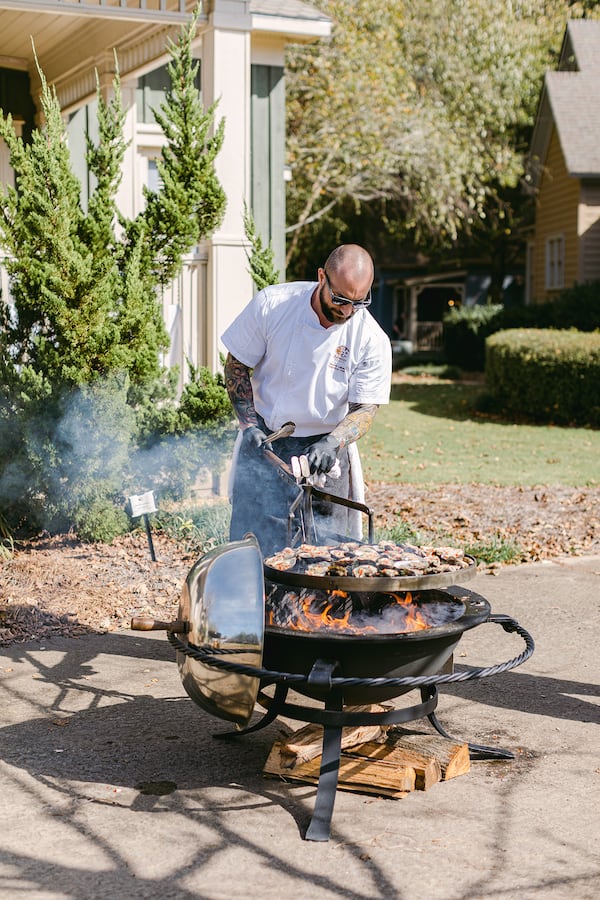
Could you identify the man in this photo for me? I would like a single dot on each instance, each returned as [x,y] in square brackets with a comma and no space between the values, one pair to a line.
[309,353]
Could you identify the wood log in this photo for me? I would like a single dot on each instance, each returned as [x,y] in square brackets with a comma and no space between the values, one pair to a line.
[453,758]
[355,773]
[427,768]
[403,762]
[307,743]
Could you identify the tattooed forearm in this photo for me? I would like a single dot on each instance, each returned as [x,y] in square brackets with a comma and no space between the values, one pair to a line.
[357,422]
[239,388]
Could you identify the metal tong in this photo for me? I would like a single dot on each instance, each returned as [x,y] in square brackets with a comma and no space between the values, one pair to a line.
[301,523]
[286,430]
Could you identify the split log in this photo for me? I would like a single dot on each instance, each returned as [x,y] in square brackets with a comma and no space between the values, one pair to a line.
[426,766]
[356,773]
[453,758]
[392,768]
[307,743]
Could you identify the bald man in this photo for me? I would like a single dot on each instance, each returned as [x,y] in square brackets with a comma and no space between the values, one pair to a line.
[310,353]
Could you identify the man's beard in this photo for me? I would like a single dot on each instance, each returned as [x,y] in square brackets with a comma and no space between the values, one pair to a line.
[330,312]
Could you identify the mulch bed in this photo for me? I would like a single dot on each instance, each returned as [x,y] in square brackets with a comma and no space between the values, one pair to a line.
[61,586]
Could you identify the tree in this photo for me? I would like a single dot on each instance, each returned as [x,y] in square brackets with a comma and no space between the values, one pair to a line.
[261,257]
[81,342]
[191,202]
[420,111]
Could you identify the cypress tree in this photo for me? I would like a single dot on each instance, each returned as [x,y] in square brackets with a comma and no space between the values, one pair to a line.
[85,324]
[261,256]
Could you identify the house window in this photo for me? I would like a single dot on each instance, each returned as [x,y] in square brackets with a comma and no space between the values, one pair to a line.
[555,262]
[154,180]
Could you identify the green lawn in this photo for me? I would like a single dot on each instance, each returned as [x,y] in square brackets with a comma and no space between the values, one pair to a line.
[431,433]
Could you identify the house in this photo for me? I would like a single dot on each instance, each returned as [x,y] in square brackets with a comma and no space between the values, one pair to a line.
[410,302]
[565,161]
[241,46]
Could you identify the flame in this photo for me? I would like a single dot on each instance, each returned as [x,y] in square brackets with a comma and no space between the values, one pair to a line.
[414,618]
[310,620]
[327,611]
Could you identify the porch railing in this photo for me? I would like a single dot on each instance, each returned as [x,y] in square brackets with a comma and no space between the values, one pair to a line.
[184,305]
[164,10]
[429,336]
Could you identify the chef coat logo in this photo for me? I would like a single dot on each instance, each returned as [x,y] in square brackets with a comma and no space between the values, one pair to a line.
[339,358]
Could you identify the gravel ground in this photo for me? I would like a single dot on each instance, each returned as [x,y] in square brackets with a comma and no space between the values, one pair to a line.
[61,586]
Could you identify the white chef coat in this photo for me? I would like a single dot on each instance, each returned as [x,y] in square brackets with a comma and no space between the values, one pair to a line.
[303,372]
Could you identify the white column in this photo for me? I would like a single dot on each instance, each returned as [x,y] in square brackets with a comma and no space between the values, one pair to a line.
[129,196]
[226,78]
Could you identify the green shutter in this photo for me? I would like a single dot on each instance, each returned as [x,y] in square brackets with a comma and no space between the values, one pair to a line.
[267,157]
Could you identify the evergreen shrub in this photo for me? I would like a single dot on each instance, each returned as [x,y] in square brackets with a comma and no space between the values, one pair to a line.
[546,375]
[84,398]
[465,331]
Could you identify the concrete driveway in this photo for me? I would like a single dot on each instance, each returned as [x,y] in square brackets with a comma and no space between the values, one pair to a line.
[112,784]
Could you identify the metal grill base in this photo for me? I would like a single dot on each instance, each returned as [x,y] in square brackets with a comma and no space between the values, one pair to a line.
[333,717]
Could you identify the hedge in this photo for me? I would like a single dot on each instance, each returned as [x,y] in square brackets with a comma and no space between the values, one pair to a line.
[545,375]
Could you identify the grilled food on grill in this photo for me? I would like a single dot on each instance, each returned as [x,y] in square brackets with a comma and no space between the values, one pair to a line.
[358,560]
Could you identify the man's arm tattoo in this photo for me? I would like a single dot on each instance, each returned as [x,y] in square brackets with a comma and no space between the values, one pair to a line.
[239,388]
[356,423]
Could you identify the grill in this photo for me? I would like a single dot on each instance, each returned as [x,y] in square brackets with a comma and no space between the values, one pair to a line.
[233,654]
[370,662]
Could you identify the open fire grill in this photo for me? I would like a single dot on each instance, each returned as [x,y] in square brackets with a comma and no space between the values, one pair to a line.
[249,633]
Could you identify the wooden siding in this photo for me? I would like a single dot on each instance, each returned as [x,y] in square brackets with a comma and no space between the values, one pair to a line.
[557,214]
[589,231]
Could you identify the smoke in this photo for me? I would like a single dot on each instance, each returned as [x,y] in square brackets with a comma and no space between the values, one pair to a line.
[68,463]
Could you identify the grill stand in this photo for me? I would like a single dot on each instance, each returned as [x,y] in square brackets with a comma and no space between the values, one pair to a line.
[334,718]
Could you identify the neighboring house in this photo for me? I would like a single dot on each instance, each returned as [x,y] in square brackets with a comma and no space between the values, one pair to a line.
[410,302]
[410,306]
[241,46]
[565,156]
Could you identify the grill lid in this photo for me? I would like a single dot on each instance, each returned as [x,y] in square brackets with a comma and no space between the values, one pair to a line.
[223,602]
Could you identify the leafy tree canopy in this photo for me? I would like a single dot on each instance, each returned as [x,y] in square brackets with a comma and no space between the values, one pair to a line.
[420,108]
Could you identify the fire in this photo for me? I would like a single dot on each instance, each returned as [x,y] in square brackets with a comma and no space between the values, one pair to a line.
[336,611]
[328,617]
[414,618]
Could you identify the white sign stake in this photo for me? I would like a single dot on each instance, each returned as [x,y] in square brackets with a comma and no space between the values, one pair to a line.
[142,505]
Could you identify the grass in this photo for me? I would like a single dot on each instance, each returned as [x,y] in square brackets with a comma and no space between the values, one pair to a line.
[431,433]
[496,549]
[400,533]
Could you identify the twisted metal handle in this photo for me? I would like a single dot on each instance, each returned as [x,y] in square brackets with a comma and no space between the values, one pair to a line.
[214,657]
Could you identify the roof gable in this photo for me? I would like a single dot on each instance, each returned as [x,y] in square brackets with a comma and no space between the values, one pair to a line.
[581,46]
[570,102]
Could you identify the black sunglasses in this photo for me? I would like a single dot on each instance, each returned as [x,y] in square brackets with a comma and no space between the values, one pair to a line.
[343,301]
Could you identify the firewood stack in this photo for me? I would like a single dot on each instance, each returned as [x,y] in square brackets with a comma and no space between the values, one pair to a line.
[389,762]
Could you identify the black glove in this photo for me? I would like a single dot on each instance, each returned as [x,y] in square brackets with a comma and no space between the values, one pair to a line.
[322,455]
[253,438]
